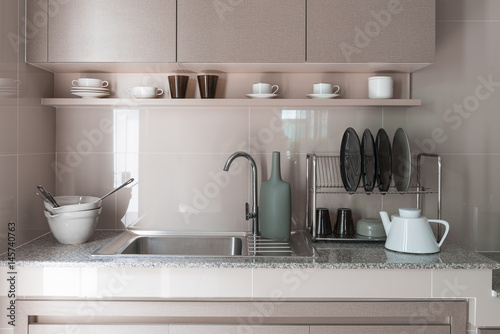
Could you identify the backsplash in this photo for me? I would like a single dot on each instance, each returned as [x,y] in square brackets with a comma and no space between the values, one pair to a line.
[177,155]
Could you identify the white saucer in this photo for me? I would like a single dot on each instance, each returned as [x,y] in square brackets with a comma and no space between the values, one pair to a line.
[261,96]
[322,96]
[90,94]
[145,96]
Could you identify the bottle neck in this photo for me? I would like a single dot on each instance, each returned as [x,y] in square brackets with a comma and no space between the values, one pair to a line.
[276,166]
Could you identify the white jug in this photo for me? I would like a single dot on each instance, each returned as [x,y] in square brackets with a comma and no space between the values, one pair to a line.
[411,233]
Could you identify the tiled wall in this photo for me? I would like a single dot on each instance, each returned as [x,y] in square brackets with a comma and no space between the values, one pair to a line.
[460,116]
[27,133]
[177,155]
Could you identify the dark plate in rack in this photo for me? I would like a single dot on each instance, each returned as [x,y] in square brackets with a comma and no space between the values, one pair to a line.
[350,160]
[384,160]
[369,161]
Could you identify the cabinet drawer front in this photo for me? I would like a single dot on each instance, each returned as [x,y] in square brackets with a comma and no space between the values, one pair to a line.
[99,329]
[257,31]
[370,31]
[380,329]
[113,31]
[238,329]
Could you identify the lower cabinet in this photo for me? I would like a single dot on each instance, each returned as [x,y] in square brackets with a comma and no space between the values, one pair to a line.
[240,317]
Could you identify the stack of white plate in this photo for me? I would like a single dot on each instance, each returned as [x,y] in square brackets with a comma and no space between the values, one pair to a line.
[90,88]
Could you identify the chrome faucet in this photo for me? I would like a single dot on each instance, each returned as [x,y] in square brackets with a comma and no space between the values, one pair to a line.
[254,214]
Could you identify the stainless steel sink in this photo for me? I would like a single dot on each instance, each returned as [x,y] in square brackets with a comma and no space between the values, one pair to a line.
[170,244]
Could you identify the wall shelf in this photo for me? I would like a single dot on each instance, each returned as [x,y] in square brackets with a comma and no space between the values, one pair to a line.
[246,102]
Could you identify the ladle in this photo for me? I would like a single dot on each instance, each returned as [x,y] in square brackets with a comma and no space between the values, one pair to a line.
[116,189]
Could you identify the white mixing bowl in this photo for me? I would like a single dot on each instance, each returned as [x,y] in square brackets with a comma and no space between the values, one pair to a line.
[73,228]
[73,203]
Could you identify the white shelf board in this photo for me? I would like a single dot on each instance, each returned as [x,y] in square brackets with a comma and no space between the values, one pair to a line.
[110,102]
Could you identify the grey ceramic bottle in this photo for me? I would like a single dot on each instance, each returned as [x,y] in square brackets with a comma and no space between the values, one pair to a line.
[275,204]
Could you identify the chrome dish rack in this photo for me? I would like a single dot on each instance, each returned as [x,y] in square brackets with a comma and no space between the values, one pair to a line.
[323,177]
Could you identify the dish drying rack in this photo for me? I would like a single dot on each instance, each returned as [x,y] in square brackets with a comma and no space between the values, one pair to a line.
[323,177]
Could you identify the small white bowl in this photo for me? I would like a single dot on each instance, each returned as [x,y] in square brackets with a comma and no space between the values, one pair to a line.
[73,228]
[73,203]
[370,227]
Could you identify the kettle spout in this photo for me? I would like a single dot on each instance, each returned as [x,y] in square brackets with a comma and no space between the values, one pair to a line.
[385,221]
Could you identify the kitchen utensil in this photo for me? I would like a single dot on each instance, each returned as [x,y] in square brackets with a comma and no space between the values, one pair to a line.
[322,96]
[118,188]
[261,96]
[73,203]
[48,195]
[368,161]
[411,233]
[145,92]
[350,160]
[178,86]
[370,227]
[90,82]
[344,226]
[380,87]
[401,160]
[207,85]
[73,227]
[323,223]
[325,88]
[264,88]
[384,160]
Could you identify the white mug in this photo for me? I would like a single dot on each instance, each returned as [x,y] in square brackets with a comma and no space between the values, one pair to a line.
[90,82]
[380,87]
[325,88]
[264,88]
[145,91]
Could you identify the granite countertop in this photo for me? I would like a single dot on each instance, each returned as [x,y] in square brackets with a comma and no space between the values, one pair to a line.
[46,251]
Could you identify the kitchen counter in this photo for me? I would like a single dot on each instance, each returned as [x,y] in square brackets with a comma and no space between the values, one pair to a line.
[47,252]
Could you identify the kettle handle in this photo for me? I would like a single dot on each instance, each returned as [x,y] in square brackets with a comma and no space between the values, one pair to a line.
[446,225]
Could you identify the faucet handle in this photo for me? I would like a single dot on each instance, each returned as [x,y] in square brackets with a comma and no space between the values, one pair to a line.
[247,211]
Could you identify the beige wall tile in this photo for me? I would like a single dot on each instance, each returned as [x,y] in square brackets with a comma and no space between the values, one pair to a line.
[467,10]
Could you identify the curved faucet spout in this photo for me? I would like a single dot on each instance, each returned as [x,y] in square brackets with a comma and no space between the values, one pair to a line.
[254,214]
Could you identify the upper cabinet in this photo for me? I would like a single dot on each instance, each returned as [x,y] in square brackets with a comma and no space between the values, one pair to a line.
[370,31]
[231,35]
[257,31]
[103,31]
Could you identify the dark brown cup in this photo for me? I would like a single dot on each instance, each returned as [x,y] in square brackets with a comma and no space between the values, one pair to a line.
[323,223]
[207,85]
[178,86]
[344,226]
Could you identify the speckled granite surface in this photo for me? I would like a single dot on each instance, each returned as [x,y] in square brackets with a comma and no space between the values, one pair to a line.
[46,251]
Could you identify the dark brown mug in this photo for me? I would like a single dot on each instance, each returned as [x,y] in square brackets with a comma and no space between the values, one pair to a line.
[178,86]
[344,226]
[207,85]
[323,223]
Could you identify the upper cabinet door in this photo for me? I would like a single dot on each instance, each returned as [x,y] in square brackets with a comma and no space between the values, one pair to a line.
[237,31]
[370,31]
[113,31]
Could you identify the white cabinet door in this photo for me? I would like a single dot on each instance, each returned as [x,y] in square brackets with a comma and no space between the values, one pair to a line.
[99,329]
[370,31]
[238,329]
[257,31]
[112,31]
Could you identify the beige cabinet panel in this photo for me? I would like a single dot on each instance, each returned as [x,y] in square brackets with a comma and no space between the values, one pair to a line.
[113,31]
[370,31]
[99,329]
[380,329]
[36,31]
[238,329]
[236,31]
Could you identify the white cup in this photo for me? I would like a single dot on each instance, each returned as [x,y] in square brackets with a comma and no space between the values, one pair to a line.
[325,88]
[380,87]
[264,88]
[90,82]
[145,91]
[8,82]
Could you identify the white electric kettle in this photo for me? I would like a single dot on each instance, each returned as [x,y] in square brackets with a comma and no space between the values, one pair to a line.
[411,233]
